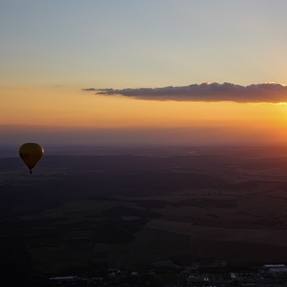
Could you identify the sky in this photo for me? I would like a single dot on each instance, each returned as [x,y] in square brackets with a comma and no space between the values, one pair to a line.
[51,51]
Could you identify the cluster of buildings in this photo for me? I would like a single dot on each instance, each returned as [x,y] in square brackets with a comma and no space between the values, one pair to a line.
[265,276]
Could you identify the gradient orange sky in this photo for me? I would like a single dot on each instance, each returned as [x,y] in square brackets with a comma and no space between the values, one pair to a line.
[51,50]
[63,109]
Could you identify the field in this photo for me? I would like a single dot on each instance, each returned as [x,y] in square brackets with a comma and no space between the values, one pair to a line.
[127,208]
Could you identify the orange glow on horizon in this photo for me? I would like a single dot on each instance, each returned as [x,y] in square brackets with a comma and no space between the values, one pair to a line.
[70,108]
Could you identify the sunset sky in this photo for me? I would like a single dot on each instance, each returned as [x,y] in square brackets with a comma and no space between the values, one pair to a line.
[51,51]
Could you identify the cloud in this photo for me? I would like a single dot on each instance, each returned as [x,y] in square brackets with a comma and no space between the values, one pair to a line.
[214,92]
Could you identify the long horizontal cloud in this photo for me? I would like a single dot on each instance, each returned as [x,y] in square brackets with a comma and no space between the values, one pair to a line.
[214,92]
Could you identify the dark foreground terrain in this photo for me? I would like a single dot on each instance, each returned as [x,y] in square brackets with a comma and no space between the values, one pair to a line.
[96,209]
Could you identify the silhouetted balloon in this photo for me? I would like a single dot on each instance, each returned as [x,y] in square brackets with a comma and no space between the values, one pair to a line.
[31,153]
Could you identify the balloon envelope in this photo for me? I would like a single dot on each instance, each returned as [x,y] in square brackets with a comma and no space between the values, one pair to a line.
[31,153]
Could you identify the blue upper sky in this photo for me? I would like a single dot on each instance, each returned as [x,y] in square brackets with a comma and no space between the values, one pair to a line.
[132,43]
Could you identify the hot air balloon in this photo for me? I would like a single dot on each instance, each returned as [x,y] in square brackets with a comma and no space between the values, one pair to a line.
[31,153]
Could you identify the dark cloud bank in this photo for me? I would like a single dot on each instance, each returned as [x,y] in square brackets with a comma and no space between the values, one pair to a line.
[214,92]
